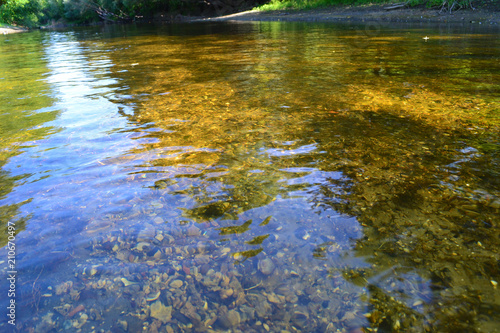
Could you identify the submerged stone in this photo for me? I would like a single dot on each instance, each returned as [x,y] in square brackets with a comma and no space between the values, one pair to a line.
[176,284]
[161,312]
[229,320]
[194,231]
[266,266]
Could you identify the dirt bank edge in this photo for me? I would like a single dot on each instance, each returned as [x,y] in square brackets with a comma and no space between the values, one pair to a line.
[368,13]
[4,30]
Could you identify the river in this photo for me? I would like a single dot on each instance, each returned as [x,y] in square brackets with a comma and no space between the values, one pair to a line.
[250,177]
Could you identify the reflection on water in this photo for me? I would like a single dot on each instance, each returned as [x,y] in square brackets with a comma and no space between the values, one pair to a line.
[251,177]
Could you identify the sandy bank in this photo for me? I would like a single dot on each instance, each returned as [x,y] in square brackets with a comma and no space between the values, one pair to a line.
[11,30]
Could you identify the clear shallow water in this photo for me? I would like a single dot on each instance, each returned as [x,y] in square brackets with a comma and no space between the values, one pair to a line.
[251,177]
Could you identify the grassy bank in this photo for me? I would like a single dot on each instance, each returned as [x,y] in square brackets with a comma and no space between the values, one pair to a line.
[313,4]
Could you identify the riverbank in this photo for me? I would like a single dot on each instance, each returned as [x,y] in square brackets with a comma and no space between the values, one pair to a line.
[8,29]
[484,15]
[488,15]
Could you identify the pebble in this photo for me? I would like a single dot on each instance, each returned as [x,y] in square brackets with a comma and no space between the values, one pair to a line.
[142,246]
[146,234]
[161,312]
[272,298]
[126,282]
[230,319]
[495,204]
[176,284]
[153,296]
[266,266]
[193,231]
[299,319]
[123,325]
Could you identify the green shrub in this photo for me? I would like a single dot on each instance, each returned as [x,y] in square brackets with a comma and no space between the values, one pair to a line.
[444,4]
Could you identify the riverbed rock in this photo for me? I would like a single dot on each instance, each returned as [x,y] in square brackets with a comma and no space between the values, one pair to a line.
[299,319]
[495,204]
[266,266]
[273,298]
[142,246]
[158,220]
[193,231]
[229,320]
[176,284]
[146,234]
[161,312]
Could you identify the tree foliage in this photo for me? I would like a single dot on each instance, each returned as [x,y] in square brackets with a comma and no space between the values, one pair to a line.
[33,12]
[19,11]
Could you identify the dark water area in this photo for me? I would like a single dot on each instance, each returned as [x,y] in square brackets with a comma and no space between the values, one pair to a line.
[251,177]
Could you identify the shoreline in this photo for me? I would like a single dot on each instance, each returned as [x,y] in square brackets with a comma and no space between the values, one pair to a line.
[8,29]
[366,13]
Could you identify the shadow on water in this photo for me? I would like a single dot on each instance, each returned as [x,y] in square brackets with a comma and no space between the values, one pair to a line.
[269,177]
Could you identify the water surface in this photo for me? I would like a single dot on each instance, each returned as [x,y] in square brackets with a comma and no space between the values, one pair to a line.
[251,177]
